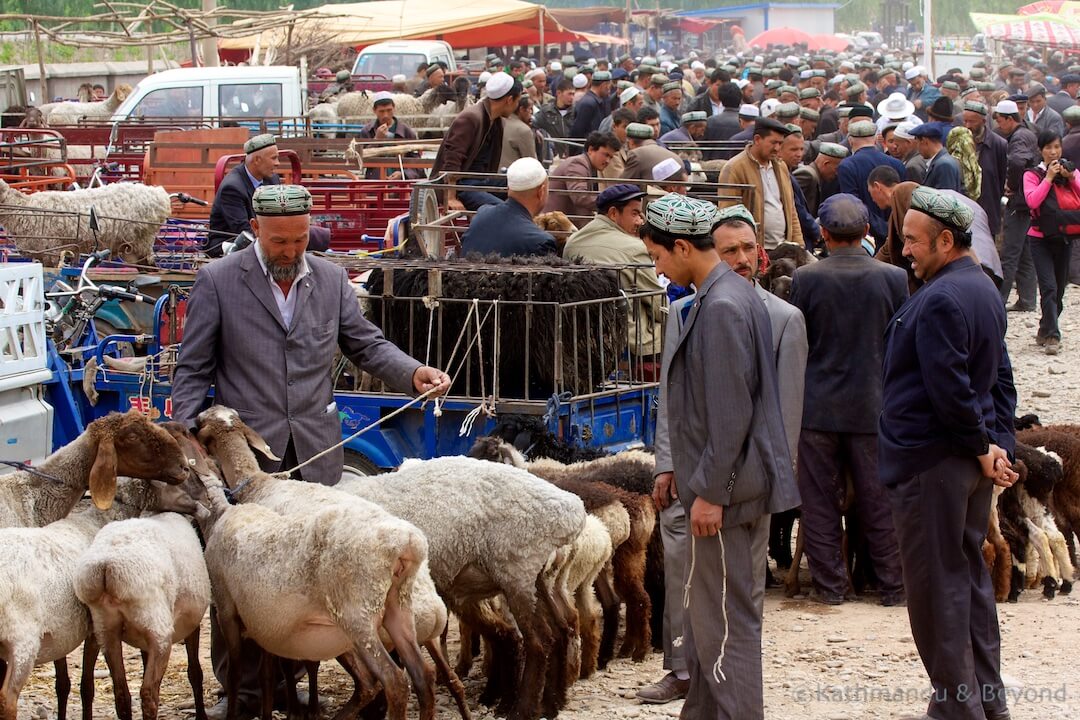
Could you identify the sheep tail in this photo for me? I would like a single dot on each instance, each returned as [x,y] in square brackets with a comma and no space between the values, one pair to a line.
[718,666]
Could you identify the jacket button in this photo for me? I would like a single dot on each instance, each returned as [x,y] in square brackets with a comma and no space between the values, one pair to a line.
[291,382]
[732,476]
[730,486]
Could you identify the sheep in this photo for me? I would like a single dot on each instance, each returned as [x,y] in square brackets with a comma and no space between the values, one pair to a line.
[45,224]
[119,443]
[41,618]
[491,530]
[1064,441]
[315,538]
[71,113]
[146,584]
[996,552]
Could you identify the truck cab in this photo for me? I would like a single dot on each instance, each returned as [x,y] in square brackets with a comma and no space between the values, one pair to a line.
[382,61]
[224,93]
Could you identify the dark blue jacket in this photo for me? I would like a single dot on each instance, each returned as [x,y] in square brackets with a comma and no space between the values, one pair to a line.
[506,229]
[811,233]
[232,211]
[590,112]
[994,160]
[944,173]
[947,383]
[853,172]
[847,300]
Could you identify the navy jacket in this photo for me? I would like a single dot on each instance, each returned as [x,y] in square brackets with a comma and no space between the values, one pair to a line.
[853,172]
[811,233]
[724,126]
[590,112]
[232,211]
[847,300]
[944,173]
[947,383]
[506,229]
[994,160]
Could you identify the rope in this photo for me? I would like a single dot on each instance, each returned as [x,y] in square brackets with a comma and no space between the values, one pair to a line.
[470,419]
[32,470]
[718,666]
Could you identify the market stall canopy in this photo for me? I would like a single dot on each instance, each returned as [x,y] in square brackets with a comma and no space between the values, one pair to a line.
[587,17]
[1045,29]
[1053,7]
[696,26]
[477,23]
[780,36]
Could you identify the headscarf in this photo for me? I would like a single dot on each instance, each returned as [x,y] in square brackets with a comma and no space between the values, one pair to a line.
[961,145]
[893,250]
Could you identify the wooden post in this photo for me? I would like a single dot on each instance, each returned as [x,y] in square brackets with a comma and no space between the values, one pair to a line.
[288,43]
[629,39]
[543,46]
[42,80]
[149,59]
[209,44]
[192,45]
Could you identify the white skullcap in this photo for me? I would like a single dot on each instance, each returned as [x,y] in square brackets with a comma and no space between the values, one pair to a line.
[697,65]
[1007,107]
[759,59]
[768,107]
[667,65]
[591,62]
[498,85]
[666,168]
[380,97]
[913,72]
[692,55]
[525,174]
[399,78]
[740,83]
[806,74]
[903,130]
[484,77]
[629,94]
[749,111]
[792,60]
[580,81]
[847,64]
[556,65]
[907,65]
[533,73]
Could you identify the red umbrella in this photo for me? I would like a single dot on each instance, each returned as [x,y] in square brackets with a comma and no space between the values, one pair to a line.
[780,36]
[828,42]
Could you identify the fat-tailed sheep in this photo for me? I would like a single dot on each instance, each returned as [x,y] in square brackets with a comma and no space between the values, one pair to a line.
[71,113]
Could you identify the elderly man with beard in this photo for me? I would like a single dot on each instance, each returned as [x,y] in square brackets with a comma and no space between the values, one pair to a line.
[262,328]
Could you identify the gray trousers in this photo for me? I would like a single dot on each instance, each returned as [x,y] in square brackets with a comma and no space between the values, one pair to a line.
[941,518]
[673,534]
[722,639]
[1016,263]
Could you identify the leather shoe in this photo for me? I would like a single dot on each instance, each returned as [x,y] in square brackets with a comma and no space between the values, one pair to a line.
[667,689]
[1021,307]
[894,600]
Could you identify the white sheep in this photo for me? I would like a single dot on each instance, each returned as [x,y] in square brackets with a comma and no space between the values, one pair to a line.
[491,530]
[1049,542]
[119,443]
[41,618]
[70,113]
[309,572]
[44,224]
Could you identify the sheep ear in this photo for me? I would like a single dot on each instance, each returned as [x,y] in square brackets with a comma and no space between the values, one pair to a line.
[103,474]
[257,443]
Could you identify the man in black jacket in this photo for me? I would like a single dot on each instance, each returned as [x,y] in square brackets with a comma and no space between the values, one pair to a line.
[231,212]
[725,125]
[993,158]
[945,437]
[1016,263]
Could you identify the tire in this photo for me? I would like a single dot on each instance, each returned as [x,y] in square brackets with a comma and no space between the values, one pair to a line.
[360,464]
[424,210]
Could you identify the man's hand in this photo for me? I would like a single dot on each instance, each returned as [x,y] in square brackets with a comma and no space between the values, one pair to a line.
[996,466]
[425,378]
[382,132]
[705,518]
[664,490]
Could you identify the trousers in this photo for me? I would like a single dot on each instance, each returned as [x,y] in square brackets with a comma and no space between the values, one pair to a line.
[1051,257]
[673,535]
[722,630]
[1016,263]
[941,517]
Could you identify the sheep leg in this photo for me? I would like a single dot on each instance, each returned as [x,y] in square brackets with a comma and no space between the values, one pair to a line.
[555,684]
[630,584]
[195,673]
[399,624]
[157,659]
[313,688]
[589,630]
[229,624]
[469,641]
[364,686]
[14,681]
[114,658]
[267,674]
[791,580]
[292,709]
[536,637]
[503,659]
[91,648]
[446,676]
[380,665]
[63,687]
[609,604]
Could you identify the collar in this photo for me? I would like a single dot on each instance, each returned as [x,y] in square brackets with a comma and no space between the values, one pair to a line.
[305,269]
[255,182]
[853,250]
[955,266]
[609,224]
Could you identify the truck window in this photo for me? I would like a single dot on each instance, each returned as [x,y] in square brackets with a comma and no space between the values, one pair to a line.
[250,100]
[388,64]
[171,102]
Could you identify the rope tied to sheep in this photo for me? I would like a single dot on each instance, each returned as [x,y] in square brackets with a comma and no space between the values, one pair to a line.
[718,666]
[484,406]
[26,467]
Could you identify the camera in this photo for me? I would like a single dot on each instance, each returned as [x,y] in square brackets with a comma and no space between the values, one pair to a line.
[1068,166]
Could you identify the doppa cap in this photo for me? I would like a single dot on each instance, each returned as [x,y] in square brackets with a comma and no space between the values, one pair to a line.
[672,86]
[941,207]
[980,108]
[681,216]
[639,131]
[694,116]
[281,200]
[862,129]
[736,212]
[259,142]
[342,76]
[1072,114]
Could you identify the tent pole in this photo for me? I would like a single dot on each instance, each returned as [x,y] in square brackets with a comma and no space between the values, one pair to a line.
[928,40]
[629,43]
[543,48]
[42,80]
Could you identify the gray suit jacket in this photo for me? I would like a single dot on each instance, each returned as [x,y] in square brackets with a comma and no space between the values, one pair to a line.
[725,422]
[278,378]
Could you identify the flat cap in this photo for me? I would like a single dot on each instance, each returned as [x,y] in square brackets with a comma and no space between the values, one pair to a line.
[835,150]
[1070,79]
[767,124]
[621,193]
[809,114]
[1072,114]
[843,214]
[694,116]
[942,208]
[640,131]
[1036,89]
[787,110]
[1019,97]
[681,216]
[862,129]
[931,130]
[736,212]
[280,200]
[808,93]
[259,142]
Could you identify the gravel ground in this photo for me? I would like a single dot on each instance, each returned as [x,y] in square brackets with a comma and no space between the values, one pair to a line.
[821,663]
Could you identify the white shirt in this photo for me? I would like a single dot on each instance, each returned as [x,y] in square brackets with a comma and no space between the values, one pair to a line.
[285,305]
[774,225]
[717,107]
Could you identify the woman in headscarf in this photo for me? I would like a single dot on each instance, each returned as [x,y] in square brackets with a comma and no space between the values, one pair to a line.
[961,145]
[892,250]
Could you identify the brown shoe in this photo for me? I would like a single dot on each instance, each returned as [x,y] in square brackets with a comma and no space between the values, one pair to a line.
[667,689]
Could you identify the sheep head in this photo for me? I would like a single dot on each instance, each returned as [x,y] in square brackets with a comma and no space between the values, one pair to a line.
[219,427]
[495,450]
[130,444]
[121,92]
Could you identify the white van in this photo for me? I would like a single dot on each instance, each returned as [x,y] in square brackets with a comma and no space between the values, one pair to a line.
[402,57]
[224,93]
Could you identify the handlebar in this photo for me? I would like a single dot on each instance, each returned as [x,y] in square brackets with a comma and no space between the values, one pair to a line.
[114,292]
[184,198]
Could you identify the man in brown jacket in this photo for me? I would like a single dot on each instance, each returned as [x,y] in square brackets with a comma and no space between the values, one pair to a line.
[575,196]
[645,153]
[769,195]
[474,141]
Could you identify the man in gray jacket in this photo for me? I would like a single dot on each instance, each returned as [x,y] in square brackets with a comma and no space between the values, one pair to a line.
[729,453]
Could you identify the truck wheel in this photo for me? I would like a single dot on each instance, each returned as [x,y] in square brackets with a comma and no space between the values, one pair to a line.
[426,211]
[359,464]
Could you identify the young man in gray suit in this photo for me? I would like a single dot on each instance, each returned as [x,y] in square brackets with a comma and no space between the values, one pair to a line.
[262,327]
[729,454]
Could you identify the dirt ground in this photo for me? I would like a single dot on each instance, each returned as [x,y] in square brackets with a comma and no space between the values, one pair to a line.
[821,663]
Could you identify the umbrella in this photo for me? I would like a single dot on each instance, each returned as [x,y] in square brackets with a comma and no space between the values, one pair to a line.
[828,42]
[1052,7]
[1035,29]
[780,36]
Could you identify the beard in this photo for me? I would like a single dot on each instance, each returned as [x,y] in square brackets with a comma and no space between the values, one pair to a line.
[284,273]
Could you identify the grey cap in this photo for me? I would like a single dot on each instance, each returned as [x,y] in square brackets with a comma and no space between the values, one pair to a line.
[787,110]
[694,116]
[809,114]
[835,150]
[1072,114]
[843,214]
[862,129]
[259,142]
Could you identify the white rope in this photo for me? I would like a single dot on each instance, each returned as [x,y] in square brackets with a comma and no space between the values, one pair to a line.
[449,363]
[718,666]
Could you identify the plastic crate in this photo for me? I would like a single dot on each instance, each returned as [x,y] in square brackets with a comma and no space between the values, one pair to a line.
[22,319]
